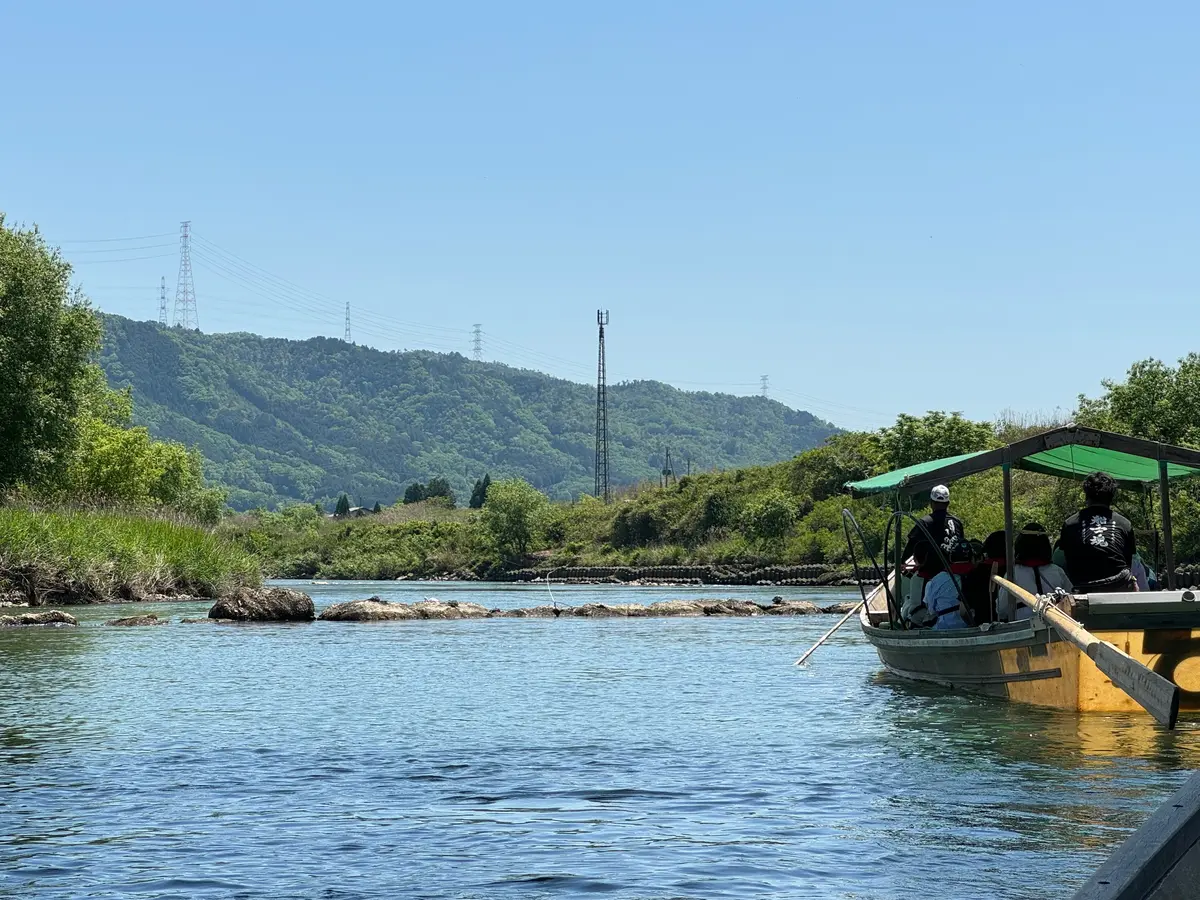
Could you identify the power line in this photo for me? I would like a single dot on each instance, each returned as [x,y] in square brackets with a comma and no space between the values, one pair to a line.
[347,337]
[185,289]
[97,262]
[764,383]
[140,237]
[477,342]
[122,249]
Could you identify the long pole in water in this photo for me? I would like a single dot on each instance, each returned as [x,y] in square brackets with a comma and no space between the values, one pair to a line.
[1152,692]
[842,621]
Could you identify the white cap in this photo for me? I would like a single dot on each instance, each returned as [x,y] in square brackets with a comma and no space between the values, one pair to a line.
[940,494]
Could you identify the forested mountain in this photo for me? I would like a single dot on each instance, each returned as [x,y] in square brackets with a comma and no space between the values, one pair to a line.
[281,420]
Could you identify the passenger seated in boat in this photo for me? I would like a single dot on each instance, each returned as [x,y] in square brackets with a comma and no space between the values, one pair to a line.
[1140,574]
[1033,571]
[942,594]
[978,587]
[925,564]
[1097,542]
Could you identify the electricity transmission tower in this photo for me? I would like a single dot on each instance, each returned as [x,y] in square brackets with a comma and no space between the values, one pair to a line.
[668,470]
[346,337]
[762,379]
[162,301]
[602,490]
[185,289]
[477,342]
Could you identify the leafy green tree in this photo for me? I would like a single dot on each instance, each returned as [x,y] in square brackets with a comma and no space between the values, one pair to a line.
[47,337]
[935,435]
[769,518]
[415,493]
[514,514]
[343,507]
[479,492]
[1156,401]
[377,509]
[823,472]
[439,488]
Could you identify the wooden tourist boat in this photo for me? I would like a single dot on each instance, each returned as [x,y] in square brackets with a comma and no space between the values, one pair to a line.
[1078,653]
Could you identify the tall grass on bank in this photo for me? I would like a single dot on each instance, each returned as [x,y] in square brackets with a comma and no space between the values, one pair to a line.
[63,555]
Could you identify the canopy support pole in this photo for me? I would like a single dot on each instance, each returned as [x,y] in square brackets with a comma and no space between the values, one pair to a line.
[1009,536]
[899,587]
[1164,502]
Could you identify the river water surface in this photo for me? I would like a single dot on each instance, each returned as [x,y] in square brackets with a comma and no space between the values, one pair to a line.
[519,758]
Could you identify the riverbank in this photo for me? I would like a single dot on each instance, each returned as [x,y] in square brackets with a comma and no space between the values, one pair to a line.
[52,556]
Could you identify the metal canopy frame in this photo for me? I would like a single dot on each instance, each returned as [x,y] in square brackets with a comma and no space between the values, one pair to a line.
[1068,435]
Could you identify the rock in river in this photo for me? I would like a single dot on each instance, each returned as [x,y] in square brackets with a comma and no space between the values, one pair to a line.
[839,609]
[272,604]
[132,621]
[49,617]
[376,610]
[370,610]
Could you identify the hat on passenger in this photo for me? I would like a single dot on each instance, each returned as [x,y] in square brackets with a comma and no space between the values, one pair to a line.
[940,494]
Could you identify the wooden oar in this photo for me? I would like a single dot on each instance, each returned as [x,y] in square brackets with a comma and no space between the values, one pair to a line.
[1154,693]
[842,621]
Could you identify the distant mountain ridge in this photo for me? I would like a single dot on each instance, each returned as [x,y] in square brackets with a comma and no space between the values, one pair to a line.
[281,421]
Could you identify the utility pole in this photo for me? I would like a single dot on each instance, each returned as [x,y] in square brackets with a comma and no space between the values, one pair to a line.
[602,489]
[185,289]
[162,301]
[668,471]
[762,380]
[346,337]
[477,342]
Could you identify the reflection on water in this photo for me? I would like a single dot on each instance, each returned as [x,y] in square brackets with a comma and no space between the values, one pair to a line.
[533,758]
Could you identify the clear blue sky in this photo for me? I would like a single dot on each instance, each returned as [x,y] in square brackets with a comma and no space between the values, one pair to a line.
[1003,197]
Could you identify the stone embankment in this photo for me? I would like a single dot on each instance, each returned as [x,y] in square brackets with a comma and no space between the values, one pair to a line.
[812,575]
[376,610]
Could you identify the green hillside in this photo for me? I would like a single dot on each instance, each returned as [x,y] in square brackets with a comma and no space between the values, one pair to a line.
[281,421]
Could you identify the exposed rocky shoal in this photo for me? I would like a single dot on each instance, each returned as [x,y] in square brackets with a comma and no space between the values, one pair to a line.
[134,621]
[374,609]
[46,617]
[271,604]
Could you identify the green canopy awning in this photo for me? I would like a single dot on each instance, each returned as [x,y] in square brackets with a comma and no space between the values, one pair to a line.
[1068,452]
[891,481]
[1079,462]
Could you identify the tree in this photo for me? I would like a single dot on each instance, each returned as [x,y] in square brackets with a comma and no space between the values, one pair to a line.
[769,518]
[514,514]
[822,472]
[1156,402]
[377,509]
[480,491]
[933,436]
[47,337]
[343,507]
[439,488]
[415,493]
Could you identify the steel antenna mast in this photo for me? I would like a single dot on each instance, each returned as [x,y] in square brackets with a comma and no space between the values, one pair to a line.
[162,301]
[602,488]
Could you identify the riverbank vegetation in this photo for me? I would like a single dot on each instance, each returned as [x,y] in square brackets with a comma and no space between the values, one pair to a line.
[783,514]
[69,457]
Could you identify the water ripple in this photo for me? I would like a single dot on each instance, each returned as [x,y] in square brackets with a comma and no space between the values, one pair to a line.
[631,758]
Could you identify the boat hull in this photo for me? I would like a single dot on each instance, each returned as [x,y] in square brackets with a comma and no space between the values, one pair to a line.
[1027,662]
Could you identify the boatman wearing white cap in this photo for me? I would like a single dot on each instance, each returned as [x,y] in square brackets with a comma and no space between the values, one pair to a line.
[945,530]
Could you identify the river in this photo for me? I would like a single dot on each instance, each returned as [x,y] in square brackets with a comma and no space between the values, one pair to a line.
[530,758]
